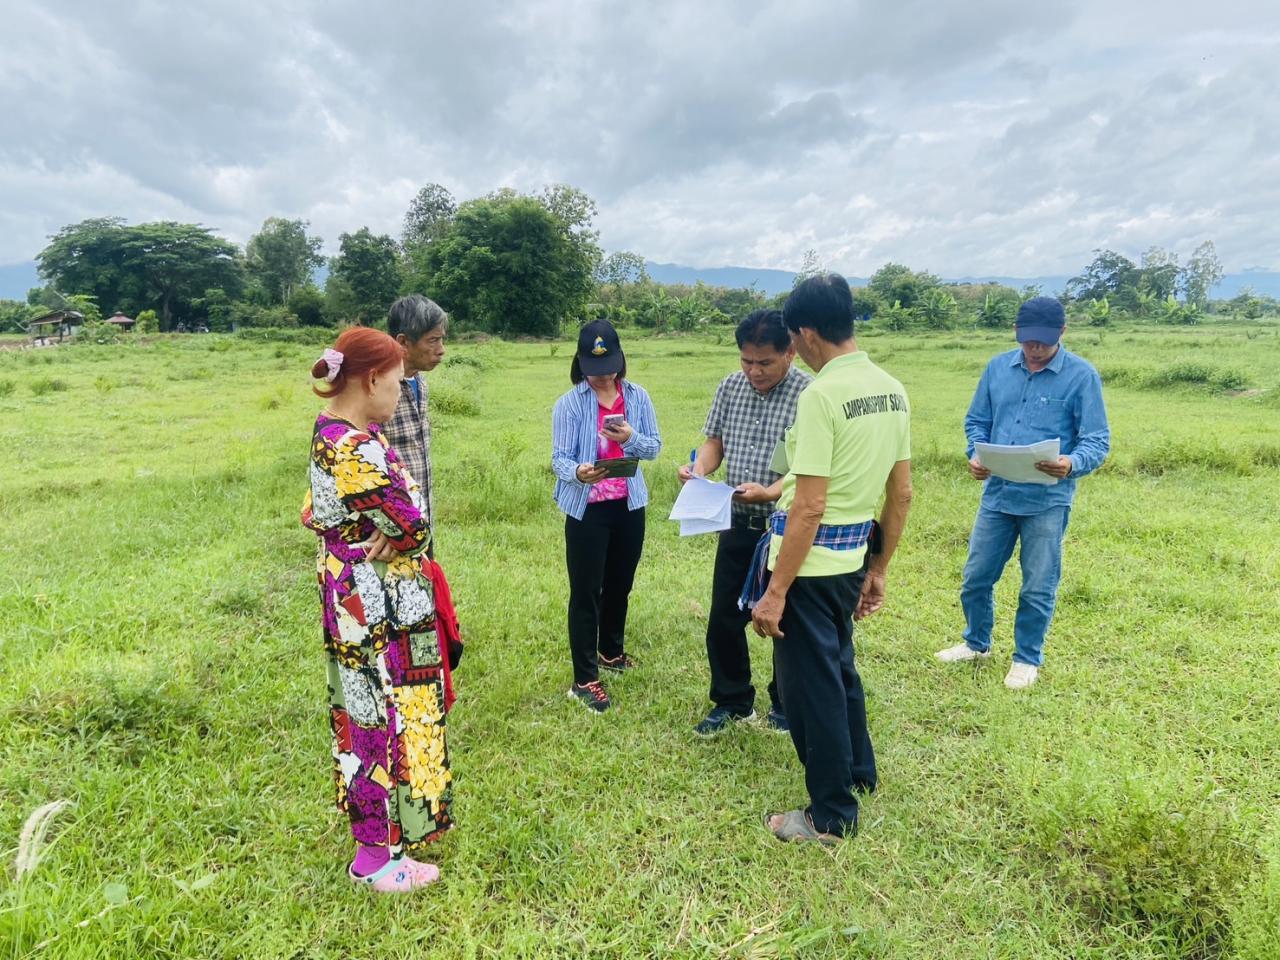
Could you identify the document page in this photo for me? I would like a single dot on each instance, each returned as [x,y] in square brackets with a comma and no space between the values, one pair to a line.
[702,507]
[1017,463]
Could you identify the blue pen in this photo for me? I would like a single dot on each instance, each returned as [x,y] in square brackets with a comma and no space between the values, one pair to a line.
[693,459]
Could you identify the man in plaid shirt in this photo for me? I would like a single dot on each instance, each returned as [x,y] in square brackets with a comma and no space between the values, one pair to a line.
[419,325]
[752,410]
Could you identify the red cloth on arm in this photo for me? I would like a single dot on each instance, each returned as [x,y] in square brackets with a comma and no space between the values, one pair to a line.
[448,634]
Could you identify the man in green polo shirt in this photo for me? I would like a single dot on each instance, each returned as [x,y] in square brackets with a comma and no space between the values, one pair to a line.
[851,442]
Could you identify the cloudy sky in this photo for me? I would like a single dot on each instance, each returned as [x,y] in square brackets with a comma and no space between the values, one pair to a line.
[994,136]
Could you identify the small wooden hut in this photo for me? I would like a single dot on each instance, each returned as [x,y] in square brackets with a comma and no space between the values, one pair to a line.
[54,327]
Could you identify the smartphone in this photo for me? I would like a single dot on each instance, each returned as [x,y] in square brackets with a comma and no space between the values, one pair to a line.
[612,420]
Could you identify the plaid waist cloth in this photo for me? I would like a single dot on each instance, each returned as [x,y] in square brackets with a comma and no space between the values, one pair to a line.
[843,536]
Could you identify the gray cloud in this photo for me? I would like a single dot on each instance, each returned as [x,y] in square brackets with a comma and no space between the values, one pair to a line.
[996,136]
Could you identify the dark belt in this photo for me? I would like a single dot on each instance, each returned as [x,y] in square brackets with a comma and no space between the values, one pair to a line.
[747,522]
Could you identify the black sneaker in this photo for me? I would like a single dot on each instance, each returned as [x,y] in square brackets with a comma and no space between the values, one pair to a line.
[618,664]
[719,719]
[591,695]
[776,721]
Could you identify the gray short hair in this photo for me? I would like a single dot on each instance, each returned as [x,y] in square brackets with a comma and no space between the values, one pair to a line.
[415,316]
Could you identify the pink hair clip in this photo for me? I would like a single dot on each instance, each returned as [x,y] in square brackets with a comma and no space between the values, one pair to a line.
[333,360]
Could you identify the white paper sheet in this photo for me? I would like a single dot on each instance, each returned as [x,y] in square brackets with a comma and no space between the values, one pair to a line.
[1017,463]
[703,507]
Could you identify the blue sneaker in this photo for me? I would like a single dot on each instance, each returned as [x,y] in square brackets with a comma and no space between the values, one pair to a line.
[592,695]
[776,721]
[719,719]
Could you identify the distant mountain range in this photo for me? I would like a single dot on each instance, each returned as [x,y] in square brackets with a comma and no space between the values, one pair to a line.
[1263,282]
[17,278]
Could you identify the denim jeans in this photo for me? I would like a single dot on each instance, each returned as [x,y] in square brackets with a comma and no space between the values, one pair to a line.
[990,546]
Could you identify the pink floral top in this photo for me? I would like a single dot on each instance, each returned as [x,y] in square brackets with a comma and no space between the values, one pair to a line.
[614,488]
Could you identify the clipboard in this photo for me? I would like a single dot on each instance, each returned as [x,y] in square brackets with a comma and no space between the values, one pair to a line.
[619,466]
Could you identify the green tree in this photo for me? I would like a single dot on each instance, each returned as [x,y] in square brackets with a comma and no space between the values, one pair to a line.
[369,265]
[14,315]
[997,311]
[1109,275]
[85,305]
[339,302]
[147,322]
[1247,304]
[866,303]
[1159,276]
[307,304]
[175,262]
[937,309]
[897,317]
[810,266]
[657,310]
[429,215]
[895,283]
[1201,274]
[217,309]
[163,265]
[576,212]
[508,265]
[1099,312]
[89,257]
[279,258]
[622,267]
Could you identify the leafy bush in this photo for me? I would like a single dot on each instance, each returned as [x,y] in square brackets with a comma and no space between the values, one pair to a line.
[476,361]
[450,401]
[896,318]
[998,309]
[42,385]
[1181,373]
[146,322]
[103,384]
[97,332]
[1195,372]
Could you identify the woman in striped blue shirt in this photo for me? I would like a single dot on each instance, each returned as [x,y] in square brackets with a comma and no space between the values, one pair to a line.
[604,417]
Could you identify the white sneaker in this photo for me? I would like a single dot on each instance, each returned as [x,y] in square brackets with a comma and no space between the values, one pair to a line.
[959,653]
[1020,676]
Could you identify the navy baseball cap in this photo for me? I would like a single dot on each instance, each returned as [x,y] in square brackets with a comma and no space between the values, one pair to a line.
[1041,319]
[599,352]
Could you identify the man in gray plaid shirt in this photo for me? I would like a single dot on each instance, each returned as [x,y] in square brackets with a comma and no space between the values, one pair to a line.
[752,410]
[419,325]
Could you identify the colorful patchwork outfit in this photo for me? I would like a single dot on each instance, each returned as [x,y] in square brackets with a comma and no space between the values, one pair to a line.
[386,680]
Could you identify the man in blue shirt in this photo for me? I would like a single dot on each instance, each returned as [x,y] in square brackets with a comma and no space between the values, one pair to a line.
[1037,392]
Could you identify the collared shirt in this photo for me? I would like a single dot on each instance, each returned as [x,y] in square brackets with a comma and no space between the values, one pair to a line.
[1015,406]
[749,424]
[409,433]
[574,438]
[852,425]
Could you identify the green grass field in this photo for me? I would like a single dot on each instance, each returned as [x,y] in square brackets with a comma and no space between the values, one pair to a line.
[159,642]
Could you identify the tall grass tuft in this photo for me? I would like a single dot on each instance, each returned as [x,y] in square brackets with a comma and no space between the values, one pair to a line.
[1183,373]
[449,400]
[31,841]
[42,385]
[1139,853]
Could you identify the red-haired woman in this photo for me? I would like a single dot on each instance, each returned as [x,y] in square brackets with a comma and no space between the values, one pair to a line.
[386,677]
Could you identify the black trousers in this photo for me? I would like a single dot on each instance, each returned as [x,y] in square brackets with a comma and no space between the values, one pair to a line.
[727,651]
[822,694]
[602,551]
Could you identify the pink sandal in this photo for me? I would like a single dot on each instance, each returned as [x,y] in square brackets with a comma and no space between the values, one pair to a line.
[398,876]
